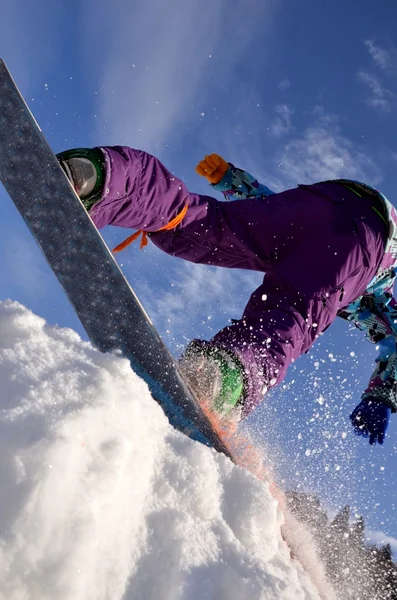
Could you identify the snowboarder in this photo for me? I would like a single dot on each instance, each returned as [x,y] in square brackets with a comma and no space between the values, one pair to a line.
[328,249]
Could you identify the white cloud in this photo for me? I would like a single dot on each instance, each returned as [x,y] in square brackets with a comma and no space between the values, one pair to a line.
[159,61]
[380,97]
[282,123]
[284,84]
[381,57]
[323,152]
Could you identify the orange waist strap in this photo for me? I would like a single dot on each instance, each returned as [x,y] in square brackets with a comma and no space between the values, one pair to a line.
[144,241]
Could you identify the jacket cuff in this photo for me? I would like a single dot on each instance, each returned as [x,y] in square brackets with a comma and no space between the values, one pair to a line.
[383,394]
[226,183]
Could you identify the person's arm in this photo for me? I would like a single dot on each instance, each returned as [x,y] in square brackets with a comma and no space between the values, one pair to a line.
[383,381]
[377,315]
[235,184]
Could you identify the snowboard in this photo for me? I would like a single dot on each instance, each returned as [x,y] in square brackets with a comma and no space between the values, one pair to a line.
[109,310]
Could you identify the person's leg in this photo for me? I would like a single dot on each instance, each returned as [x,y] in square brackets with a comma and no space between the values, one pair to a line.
[130,188]
[298,300]
[140,193]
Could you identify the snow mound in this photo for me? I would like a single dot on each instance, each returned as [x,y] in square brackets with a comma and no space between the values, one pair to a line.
[101,498]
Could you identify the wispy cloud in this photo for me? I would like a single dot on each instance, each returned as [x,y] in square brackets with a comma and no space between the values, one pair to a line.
[163,61]
[281,125]
[323,152]
[381,57]
[284,84]
[385,60]
[380,97]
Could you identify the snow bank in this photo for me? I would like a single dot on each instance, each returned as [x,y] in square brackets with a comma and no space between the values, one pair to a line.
[101,499]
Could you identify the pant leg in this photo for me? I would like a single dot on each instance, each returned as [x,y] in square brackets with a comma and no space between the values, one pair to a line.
[254,234]
[297,300]
[140,193]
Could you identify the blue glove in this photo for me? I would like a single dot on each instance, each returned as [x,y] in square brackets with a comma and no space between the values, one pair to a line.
[371,418]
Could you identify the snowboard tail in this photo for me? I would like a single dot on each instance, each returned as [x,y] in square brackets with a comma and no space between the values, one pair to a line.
[105,303]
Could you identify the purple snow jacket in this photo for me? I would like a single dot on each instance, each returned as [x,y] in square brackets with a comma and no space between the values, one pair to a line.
[319,245]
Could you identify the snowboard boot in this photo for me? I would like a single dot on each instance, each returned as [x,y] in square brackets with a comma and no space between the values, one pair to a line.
[85,169]
[215,375]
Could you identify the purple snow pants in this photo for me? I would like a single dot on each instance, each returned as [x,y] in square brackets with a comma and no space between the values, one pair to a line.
[319,245]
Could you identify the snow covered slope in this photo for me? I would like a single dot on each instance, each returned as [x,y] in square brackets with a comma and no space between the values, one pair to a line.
[101,499]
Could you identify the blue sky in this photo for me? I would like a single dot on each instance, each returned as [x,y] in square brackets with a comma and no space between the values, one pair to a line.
[293,92]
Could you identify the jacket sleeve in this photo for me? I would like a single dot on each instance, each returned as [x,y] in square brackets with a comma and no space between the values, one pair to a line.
[379,318]
[237,184]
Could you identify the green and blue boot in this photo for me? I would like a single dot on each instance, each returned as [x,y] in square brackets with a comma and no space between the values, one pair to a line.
[216,377]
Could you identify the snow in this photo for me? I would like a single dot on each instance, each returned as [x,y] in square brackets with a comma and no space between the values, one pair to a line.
[101,498]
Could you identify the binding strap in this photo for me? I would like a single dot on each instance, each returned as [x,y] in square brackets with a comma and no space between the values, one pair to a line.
[144,240]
